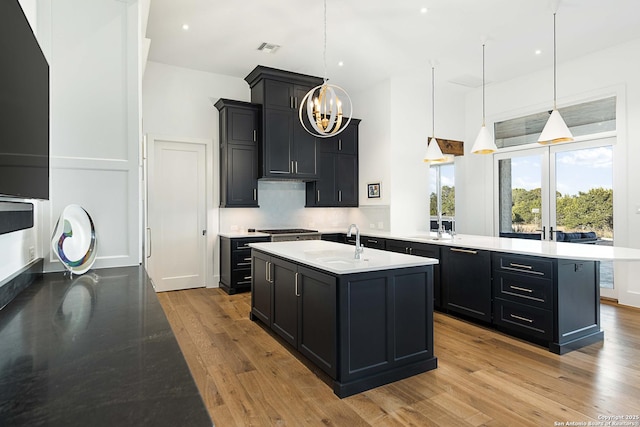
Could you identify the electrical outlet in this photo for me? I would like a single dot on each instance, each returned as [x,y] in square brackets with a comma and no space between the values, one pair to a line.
[380,225]
[372,226]
[32,253]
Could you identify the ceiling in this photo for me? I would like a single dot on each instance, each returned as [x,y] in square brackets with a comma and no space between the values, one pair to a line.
[378,38]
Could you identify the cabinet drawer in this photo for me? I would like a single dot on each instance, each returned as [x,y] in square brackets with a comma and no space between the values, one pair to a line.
[242,244]
[241,259]
[536,267]
[525,289]
[372,242]
[241,277]
[535,322]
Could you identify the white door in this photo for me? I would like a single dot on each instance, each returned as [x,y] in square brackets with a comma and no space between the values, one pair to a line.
[176,212]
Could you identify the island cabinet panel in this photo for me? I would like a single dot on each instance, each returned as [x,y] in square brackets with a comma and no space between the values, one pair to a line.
[424,250]
[466,282]
[385,323]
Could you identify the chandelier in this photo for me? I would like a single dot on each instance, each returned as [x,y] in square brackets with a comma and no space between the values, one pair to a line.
[322,111]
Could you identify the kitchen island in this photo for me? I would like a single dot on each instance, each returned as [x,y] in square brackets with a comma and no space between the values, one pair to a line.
[365,322]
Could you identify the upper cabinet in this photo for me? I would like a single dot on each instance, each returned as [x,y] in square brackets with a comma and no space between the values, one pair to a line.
[337,183]
[286,150]
[239,136]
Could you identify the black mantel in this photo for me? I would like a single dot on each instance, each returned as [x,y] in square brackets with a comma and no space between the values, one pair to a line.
[93,350]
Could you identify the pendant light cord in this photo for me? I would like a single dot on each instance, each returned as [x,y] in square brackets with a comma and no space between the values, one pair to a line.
[483,102]
[554,61]
[433,104]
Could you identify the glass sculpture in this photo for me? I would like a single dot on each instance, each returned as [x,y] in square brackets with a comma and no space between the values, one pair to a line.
[74,239]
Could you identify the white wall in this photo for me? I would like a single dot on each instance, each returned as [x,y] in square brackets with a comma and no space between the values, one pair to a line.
[92,53]
[613,71]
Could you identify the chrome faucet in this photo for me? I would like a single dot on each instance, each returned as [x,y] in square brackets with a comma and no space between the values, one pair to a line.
[359,248]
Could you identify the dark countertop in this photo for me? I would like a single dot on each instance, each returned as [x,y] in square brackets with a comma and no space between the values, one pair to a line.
[93,350]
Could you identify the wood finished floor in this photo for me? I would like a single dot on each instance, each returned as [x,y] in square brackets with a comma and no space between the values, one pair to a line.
[247,377]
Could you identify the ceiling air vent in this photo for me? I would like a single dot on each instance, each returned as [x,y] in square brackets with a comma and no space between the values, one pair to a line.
[269,47]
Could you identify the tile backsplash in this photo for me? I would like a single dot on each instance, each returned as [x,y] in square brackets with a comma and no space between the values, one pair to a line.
[282,206]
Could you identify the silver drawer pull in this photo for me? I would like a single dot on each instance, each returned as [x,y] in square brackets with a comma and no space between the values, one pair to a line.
[466,251]
[247,278]
[372,241]
[518,288]
[521,318]
[248,259]
[244,247]
[528,267]
[243,263]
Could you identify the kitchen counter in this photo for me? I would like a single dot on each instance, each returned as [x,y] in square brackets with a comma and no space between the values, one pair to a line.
[93,350]
[560,250]
[338,258]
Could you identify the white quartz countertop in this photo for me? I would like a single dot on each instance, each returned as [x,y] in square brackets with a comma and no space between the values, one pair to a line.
[563,250]
[338,258]
[242,234]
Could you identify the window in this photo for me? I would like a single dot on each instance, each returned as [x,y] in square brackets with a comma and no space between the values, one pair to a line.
[442,198]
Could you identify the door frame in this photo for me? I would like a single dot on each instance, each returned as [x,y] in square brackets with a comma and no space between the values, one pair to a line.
[212,271]
[548,178]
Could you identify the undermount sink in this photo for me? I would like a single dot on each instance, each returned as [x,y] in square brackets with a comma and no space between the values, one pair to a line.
[335,258]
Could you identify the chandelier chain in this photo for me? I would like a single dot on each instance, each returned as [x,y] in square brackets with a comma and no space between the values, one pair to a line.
[324,52]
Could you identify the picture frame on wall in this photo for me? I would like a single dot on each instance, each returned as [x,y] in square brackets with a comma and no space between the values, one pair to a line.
[373,190]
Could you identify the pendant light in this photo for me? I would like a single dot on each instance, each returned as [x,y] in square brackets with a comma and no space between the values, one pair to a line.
[434,153]
[484,143]
[321,110]
[556,129]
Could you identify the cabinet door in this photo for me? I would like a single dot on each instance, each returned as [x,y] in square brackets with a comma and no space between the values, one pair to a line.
[278,94]
[285,300]
[261,287]
[305,145]
[347,180]
[347,140]
[278,136]
[325,186]
[467,282]
[242,179]
[242,126]
[318,334]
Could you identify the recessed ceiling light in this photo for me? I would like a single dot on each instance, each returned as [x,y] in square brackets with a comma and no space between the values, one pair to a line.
[538,52]
[340,64]
[185,27]
[424,10]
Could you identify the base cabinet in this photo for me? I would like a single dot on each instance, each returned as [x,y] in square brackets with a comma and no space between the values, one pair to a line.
[466,282]
[554,302]
[363,329]
[235,263]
